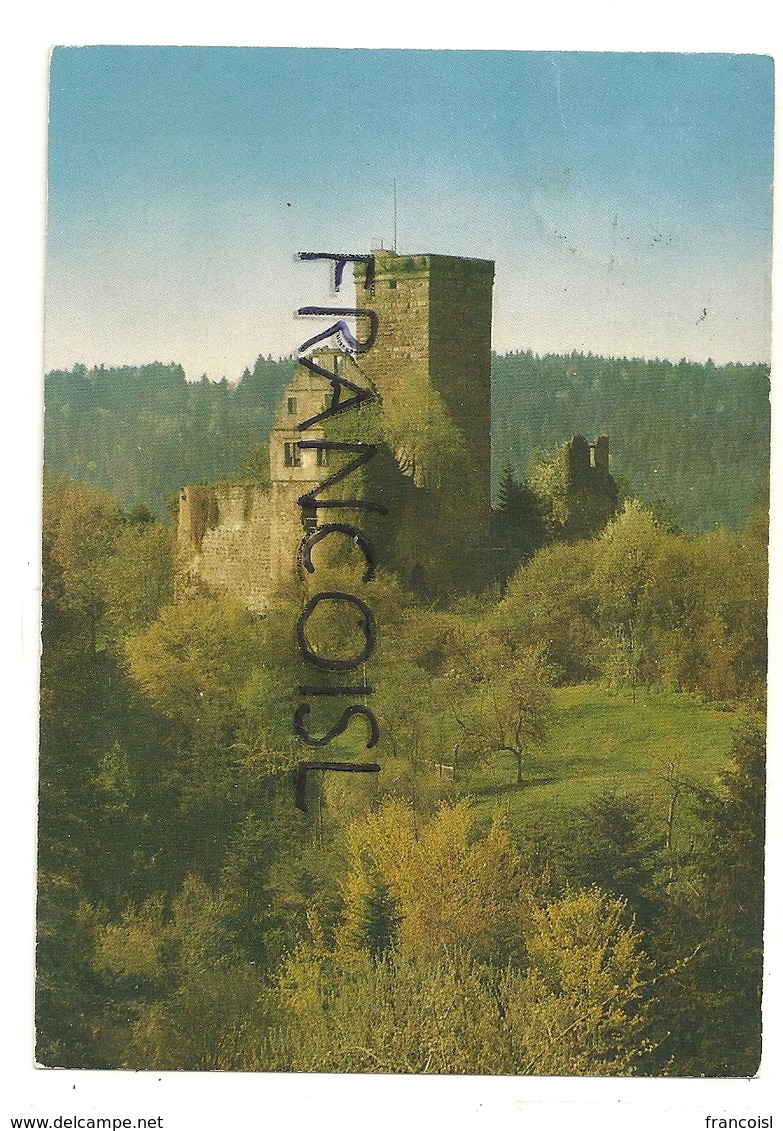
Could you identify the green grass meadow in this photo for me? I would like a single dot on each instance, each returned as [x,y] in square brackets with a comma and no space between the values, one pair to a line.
[602,740]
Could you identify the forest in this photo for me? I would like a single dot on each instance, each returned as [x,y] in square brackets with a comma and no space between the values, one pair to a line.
[558,869]
[691,440]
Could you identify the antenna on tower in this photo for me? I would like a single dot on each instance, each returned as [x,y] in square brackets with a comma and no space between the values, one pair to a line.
[395,215]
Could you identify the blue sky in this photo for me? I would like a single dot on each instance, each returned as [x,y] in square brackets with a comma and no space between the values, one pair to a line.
[620,195]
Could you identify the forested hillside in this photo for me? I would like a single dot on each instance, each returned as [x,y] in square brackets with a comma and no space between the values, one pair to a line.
[556,866]
[692,438]
[558,869]
[142,433]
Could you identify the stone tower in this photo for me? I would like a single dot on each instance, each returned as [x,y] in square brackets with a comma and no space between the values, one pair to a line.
[294,471]
[431,366]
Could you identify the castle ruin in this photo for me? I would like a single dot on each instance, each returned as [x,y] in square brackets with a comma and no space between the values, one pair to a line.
[430,370]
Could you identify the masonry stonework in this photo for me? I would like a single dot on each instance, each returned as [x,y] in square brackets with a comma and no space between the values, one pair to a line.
[430,367]
[223,543]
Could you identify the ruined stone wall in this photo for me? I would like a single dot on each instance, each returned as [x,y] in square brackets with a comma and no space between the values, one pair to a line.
[223,542]
[575,488]
[599,458]
[241,540]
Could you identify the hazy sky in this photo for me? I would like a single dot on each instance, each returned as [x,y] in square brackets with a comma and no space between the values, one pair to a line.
[621,196]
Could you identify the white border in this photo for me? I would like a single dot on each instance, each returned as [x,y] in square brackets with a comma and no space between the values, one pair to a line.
[234,1100]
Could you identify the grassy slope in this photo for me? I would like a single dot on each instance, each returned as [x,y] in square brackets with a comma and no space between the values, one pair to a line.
[601,740]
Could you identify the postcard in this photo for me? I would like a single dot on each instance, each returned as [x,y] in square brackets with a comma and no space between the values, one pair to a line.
[405,527]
